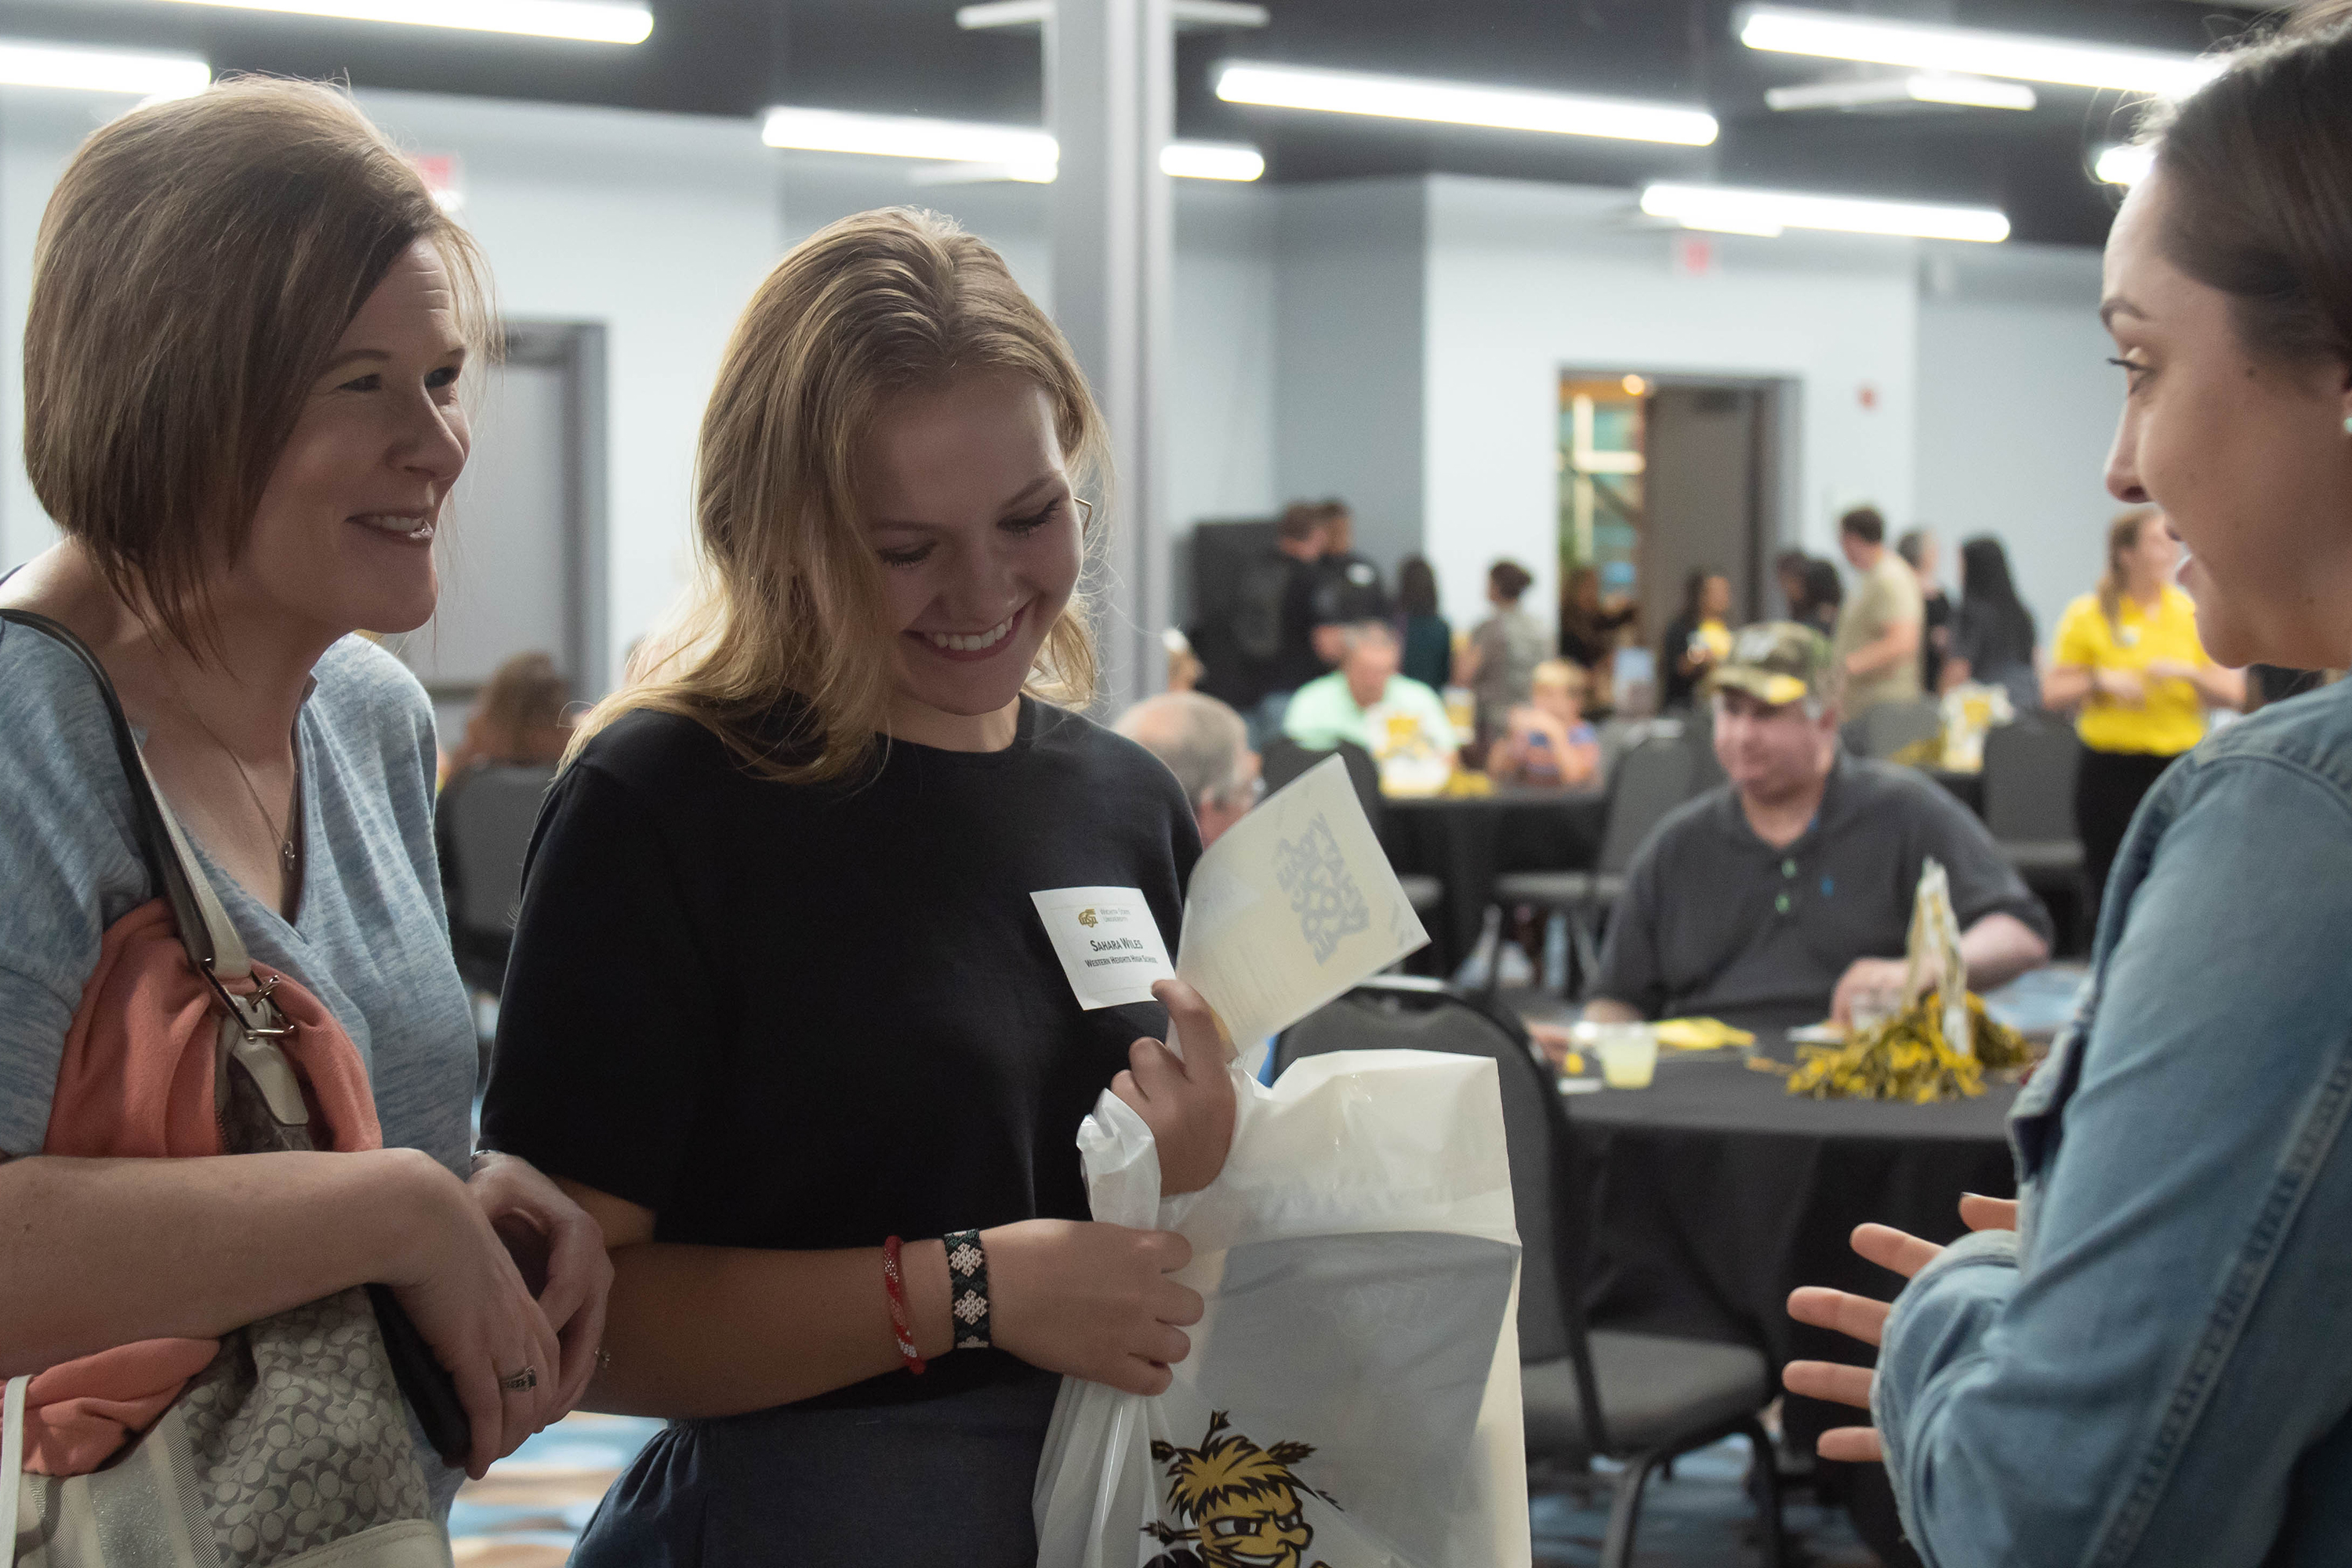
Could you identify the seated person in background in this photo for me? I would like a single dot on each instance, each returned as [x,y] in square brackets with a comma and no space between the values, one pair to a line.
[519,718]
[1546,740]
[518,723]
[1777,899]
[1366,701]
[1207,746]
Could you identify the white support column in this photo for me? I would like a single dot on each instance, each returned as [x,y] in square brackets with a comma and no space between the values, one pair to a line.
[1109,93]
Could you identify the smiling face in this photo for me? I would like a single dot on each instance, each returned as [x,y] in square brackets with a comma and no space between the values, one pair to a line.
[342,538]
[969,508]
[1266,1530]
[2248,459]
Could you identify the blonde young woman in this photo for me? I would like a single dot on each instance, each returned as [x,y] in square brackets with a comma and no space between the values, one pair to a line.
[783,1013]
[249,329]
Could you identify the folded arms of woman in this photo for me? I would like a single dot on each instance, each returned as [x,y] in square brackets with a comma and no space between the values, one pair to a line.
[99,1252]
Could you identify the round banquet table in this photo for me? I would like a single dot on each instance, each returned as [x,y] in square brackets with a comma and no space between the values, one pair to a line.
[1714,1192]
[1467,841]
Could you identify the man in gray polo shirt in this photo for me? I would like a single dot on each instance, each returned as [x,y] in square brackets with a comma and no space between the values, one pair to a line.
[1774,900]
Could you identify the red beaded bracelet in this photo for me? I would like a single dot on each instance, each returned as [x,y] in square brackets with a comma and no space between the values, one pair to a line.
[894,1285]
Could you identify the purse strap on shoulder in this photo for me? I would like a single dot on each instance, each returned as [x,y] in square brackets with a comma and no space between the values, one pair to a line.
[205,930]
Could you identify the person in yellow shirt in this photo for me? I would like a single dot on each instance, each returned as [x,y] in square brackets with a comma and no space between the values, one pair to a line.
[2128,659]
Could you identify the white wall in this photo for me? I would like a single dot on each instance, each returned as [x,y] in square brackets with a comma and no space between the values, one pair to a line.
[2016,407]
[39,129]
[1353,329]
[1525,279]
[659,226]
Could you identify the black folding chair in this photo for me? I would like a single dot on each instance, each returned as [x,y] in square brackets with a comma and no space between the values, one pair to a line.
[1644,1399]
[2029,806]
[1651,781]
[484,824]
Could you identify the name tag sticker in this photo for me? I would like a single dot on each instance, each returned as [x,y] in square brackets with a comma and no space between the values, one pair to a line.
[1108,942]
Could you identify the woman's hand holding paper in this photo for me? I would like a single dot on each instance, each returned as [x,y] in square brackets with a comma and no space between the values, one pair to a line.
[1187,1100]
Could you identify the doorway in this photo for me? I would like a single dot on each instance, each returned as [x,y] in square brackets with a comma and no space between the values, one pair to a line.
[521,555]
[1662,475]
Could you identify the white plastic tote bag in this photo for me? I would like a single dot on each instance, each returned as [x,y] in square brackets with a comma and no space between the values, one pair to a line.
[1352,1396]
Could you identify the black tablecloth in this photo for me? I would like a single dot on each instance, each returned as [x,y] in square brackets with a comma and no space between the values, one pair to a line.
[1714,1194]
[1467,841]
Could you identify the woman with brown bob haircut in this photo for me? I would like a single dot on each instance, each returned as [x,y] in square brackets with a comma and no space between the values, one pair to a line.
[2141,1361]
[242,360]
[782,1011]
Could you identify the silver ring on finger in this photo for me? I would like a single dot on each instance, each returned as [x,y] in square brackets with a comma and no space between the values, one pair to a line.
[522,1382]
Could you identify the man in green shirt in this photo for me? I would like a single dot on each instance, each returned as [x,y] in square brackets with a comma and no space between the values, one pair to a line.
[1366,701]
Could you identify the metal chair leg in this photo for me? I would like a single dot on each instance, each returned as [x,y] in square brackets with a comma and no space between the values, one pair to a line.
[1588,954]
[1624,1511]
[1767,1471]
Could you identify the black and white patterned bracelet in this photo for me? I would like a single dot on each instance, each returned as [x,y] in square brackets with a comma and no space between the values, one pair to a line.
[968,1289]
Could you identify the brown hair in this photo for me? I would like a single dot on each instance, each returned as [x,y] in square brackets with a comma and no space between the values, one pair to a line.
[1509,579]
[2258,162]
[2123,538]
[1866,523]
[518,717]
[790,604]
[197,263]
[1301,520]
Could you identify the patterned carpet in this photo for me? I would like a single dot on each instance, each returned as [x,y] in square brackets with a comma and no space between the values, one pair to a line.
[529,1509]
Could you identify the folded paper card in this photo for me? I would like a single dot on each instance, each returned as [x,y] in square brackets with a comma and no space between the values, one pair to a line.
[1291,906]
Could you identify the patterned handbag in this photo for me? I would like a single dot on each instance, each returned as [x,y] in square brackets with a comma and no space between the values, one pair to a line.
[285,1443]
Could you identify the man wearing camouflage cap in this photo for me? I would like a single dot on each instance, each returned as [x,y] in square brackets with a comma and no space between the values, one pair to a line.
[1777,898]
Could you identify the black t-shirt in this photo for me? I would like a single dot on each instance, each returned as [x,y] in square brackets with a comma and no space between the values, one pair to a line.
[816,1017]
[1715,921]
[1294,661]
[1935,638]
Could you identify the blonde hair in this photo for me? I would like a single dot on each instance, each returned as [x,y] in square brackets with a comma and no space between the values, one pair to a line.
[2123,538]
[1566,674]
[195,267]
[789,601]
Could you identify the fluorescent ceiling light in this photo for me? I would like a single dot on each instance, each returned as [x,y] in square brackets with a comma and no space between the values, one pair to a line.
[2126,165]
[1187,14]
[1736,211]
[101,71]
[1211,161]
[1457,104]
[996,151]
[906,136]
[1901,91]
[1938,48]
[594,21]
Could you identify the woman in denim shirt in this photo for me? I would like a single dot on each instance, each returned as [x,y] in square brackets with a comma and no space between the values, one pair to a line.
[2151,1366]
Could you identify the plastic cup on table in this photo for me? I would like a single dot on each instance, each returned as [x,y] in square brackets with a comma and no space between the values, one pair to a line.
[1628,1055]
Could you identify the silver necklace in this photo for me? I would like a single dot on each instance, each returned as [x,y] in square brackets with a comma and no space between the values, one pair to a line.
[284,836]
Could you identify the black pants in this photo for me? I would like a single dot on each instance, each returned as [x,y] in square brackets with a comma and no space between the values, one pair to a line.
[2108,789]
